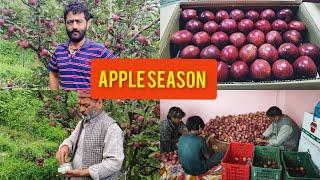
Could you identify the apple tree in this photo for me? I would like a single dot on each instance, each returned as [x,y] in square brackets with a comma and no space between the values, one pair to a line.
[127,28]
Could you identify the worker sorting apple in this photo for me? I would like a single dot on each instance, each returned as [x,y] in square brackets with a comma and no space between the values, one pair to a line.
[283,132]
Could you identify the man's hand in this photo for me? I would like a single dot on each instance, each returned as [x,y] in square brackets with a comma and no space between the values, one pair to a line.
[62,154]
[183,131]
[77,173]
[261,141]
[53,81]
[210,139]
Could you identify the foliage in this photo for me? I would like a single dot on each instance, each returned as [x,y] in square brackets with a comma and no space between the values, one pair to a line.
[128,28]
[34,123]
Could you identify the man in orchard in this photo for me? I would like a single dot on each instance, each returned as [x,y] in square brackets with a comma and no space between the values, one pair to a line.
[70,63]
[96,144]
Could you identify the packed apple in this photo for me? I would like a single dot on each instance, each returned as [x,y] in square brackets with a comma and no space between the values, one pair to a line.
[248,45]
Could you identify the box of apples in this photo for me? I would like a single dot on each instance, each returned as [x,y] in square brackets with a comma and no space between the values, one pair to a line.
[237,161]
[258,44]
[298,166]
[266,163]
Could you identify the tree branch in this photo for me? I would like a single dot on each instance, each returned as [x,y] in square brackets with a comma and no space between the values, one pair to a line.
[145,28]
[20,29]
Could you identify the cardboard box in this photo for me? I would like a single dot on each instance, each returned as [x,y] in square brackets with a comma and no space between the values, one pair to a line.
[310,137]
[312,35]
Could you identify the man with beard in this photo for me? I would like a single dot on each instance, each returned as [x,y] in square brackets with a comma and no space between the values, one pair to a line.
[71,60]
[96,144]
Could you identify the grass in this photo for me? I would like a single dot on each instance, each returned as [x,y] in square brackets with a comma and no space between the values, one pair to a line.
[16,64]
[19,153]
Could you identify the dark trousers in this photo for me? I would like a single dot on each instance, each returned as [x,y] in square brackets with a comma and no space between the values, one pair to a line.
[214,160]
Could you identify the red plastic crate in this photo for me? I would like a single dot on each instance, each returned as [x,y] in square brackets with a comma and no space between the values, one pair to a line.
[233,171]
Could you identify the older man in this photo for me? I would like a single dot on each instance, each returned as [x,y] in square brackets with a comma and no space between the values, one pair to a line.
[283,132]
[96,143]
[70,64]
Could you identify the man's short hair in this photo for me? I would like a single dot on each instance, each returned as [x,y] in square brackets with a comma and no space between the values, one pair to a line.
[77,7]
[274,111]
[194,123]
[175,112]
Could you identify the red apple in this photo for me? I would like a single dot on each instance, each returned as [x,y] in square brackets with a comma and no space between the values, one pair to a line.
[256,37]
[237,15]
[181,38]
[288,51]
[285,14]
[142,39]
[238,39]
[206,16]
[188,14]
[211,27]
[268,15]
[44,53]
[221,15]
[190,52]
[292,36]
[210,52]
[229,26]
[23,43]
[282,69]
[32,2]
[263,25]
[296,25]
[220,39]
[311,50]
[136,144]
[97,1]
[115,17]
[268,52]
[194,26]
[279,25]
[245,25]
[253,15]
[140,119]
[201,39]
[260,70]
[11,29]
[239,71]
[304,67]
[223,71]
[248,53]
[229,54]
[274,38]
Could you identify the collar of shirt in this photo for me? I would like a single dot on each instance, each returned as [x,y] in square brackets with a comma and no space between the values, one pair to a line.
[172,125]
[84,46]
